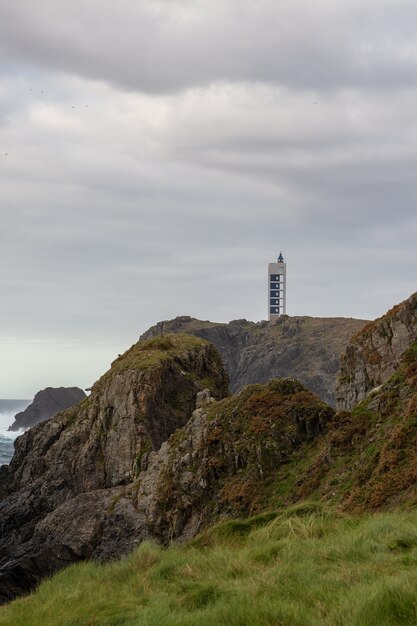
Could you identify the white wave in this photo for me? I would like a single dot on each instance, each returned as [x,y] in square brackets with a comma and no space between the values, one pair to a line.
[9,434]
[6,419]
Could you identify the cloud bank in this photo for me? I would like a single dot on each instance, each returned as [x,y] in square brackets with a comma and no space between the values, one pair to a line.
[156,155]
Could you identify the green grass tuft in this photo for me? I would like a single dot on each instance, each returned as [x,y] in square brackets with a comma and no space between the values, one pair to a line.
[297,567]
[150,353]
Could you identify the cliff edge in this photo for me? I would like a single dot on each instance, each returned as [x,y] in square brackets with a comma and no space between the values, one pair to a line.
[305,348]
[82,460]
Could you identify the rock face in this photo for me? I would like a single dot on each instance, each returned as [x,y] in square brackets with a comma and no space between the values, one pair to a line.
[375,353]
[220,463]
[305,348]
[224,460]
[157,451]
[47,403]
[62,494]
[367,458]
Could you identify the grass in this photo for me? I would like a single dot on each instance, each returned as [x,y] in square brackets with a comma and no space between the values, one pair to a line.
[150,355]
[147,354]
[303,566]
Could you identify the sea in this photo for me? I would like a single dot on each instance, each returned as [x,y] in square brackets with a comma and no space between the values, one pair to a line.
[8,409]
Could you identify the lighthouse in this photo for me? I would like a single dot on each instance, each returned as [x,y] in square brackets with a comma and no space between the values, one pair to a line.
[277,287]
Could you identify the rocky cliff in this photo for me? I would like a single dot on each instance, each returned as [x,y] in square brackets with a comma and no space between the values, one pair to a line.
[374,353]
[367,459]
[47,403]
[160,451]
[154,452]
[223,462]
[60,492]
[305,348]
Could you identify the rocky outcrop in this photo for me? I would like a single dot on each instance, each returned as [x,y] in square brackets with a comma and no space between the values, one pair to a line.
[62,492]
[367,458]
[305,348]
[222,462]
[374,353]
[47,403]
[160,451]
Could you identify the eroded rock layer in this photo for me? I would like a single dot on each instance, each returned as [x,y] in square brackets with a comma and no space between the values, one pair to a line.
[375,352]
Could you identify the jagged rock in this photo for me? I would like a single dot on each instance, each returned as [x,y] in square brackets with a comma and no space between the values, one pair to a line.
[138,460]
[61,488]
[374,353]
[367,458]
[305,348]
[203,398]
[47,403]
[220,463]
[157,450]
[224,459]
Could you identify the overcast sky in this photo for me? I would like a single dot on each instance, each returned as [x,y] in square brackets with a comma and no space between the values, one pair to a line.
[155,155]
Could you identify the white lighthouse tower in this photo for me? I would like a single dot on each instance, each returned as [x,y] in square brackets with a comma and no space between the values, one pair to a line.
[277,288]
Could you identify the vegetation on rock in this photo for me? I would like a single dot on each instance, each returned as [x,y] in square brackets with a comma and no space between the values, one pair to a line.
[367,458]
[224,460]
[145,355]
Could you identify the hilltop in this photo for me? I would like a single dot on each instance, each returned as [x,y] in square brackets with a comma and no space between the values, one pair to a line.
[305,348]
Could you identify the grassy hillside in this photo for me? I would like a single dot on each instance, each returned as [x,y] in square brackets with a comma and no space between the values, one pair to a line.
[302,567]
[331,559]
[367,458]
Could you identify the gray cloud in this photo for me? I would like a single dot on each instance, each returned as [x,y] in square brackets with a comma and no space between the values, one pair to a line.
[160,47]
[158,175]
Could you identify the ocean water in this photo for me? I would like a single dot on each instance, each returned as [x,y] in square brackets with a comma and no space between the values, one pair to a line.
[8,409]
